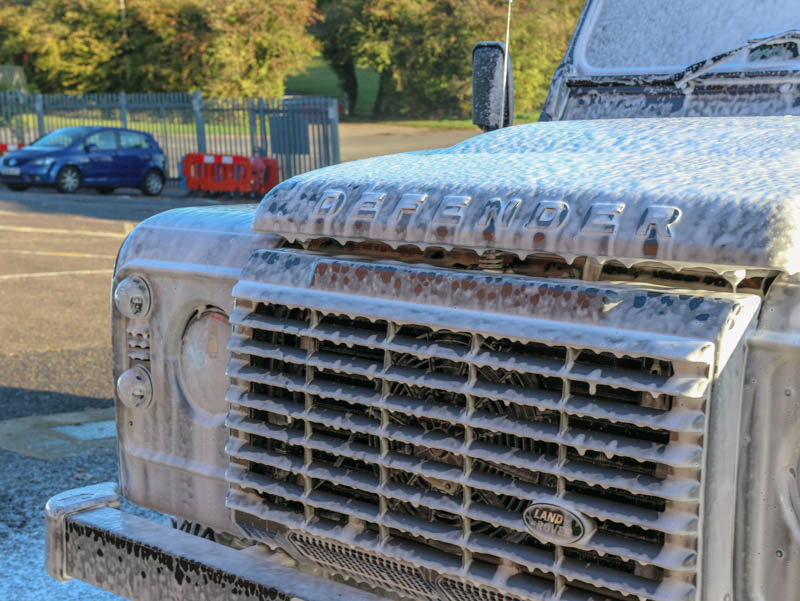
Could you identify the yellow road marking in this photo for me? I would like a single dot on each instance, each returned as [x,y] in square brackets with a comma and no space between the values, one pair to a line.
[50,274]
[47,253]
[47,230]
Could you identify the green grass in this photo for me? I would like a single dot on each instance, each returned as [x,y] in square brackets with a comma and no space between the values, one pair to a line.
[319,79]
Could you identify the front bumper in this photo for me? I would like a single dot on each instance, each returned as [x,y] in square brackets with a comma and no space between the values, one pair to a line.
[88,538]
[31,174]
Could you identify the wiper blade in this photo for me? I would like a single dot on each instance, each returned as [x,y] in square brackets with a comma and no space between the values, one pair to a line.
[684,78]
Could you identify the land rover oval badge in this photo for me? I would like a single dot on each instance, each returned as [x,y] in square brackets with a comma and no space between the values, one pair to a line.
[555,524]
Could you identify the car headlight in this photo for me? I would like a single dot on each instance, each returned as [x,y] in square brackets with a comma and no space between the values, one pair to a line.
[43,162]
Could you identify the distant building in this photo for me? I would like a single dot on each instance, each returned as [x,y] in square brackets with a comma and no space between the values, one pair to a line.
[12,78]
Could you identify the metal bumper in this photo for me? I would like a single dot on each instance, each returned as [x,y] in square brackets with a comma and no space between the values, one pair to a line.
[88,538]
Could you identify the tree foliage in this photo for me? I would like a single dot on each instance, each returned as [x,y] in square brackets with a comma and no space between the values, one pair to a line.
[257,44]
[422,48]
[224,47]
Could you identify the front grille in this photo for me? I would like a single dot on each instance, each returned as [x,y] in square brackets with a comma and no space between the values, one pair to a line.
[403,456]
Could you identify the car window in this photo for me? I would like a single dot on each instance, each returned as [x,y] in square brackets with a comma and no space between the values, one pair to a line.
[61,138]
[132,139]
[103,140]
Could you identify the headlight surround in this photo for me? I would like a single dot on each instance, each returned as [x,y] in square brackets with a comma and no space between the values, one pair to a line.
[43,162]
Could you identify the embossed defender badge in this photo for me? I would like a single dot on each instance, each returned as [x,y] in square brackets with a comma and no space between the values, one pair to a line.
[556,524]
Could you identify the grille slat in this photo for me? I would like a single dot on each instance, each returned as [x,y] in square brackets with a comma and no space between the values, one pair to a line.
[674,489]
[669,522]
[675,420]
[399,441]
[690,387]
[678,455]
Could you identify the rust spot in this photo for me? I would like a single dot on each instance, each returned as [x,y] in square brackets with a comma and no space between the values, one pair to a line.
[492,295]
[358,225]
[320,221]
[506,290]
[417,290]
[488,235]
[321,269]
[346,281]
[535,300]
[335,268]
[516,292]
[361,273]
[539,237]
[386,276]
[345,269]
[441,231]
[517,304]
[650,248]
[333,277]
[481,294]
[397,283]
[567,295]
[556,293]
[454,286]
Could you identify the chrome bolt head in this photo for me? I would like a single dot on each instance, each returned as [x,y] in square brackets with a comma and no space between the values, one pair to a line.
[135,388]
[132,297]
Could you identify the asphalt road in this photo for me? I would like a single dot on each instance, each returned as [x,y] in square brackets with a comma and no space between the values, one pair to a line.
[56,257]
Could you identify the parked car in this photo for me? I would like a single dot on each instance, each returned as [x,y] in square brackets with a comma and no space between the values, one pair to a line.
[103,158]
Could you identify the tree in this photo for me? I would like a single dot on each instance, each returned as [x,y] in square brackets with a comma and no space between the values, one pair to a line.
[226,47]
[338,31]
[540,33]
[422,50]
[64,45]
[257,44]
[167,45]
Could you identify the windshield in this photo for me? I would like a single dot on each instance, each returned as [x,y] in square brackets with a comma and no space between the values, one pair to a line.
[61,138]
[654,36]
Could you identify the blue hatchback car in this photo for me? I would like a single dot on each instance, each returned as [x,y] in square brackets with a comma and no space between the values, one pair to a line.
[104,158]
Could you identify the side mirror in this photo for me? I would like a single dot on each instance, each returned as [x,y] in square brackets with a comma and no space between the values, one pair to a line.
[489,110]
[89,147]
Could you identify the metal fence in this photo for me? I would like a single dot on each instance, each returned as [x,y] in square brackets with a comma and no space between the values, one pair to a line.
[302,132]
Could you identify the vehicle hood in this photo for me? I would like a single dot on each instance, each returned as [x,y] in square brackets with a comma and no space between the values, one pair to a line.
[28,153]
[719,193]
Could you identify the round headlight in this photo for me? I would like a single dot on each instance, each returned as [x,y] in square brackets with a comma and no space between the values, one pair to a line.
[132,297]
[135,388]
[203,360]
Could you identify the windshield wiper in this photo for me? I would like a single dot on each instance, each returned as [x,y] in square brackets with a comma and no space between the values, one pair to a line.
[684,78]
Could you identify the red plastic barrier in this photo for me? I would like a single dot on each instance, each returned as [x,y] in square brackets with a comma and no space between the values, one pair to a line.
[265,175]
[217,173]
[4,148]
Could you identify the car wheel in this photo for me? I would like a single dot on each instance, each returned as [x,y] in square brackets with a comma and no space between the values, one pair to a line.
[68,180]
[106,190]
[17,187]
[153,183]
